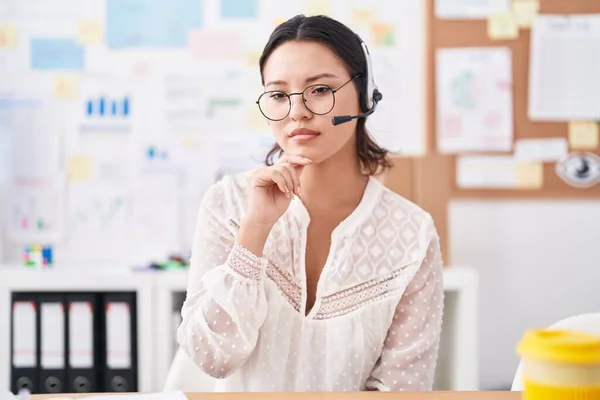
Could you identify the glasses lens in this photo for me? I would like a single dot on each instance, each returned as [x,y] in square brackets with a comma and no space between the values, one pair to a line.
[319,99]
[274,105]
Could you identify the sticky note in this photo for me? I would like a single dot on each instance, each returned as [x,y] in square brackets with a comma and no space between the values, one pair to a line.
[66,87]
[317,7]
[529,175]
[583,135]
[383,35]
[79,168]
[525,12]
[503,26]
[239,9]
[8,37]
[90,32]
[51,53]
[363,17]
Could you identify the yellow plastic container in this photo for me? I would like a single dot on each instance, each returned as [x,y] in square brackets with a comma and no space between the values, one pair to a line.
[560,365]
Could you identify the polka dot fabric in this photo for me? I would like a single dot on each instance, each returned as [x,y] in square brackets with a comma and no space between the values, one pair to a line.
[376,321]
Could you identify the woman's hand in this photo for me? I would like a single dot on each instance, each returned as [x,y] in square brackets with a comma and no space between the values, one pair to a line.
[272,189]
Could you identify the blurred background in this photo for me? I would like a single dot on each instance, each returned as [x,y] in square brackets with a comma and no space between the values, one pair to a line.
[116,115]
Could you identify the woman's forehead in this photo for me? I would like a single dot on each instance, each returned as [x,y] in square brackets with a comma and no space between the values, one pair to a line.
[296,61]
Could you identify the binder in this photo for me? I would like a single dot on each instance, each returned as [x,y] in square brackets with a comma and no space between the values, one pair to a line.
[120,374]
[53,342]
[24,343]
[82,371]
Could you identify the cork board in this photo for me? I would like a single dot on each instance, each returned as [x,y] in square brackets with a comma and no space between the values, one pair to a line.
[474,33]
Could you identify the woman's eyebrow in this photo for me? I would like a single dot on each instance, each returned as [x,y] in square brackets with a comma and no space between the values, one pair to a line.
[308,80]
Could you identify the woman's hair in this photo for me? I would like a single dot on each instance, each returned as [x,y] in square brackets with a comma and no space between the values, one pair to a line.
[347,46]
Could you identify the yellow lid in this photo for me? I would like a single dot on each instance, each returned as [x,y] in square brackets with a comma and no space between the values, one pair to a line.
[561,346]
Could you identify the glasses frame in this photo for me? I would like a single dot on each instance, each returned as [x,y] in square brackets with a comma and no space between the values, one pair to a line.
[289,98]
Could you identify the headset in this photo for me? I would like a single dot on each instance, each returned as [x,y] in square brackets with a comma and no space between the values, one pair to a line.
[369,96]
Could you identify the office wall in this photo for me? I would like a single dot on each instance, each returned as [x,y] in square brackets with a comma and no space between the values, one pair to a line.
[140,105]
[538,263]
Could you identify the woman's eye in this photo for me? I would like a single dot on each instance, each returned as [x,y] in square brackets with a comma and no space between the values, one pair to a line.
[321,89]
[277,95]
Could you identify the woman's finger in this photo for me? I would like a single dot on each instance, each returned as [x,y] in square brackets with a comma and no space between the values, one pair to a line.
[278,178]
[293,174]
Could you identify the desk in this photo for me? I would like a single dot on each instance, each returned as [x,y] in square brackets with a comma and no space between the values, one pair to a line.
[336,396]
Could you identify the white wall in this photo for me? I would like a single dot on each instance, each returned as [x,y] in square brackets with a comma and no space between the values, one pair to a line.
[538,263]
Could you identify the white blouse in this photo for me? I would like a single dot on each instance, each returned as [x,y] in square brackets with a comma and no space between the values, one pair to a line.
[376,321]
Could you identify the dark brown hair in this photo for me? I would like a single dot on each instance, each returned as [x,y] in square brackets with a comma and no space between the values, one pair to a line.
[347,46]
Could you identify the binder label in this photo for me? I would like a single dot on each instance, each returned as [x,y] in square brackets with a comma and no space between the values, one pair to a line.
[81,334]
[118,335]
[24,331]
[53,336]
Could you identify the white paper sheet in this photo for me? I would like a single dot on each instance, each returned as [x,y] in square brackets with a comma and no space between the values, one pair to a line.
[469,9]
[544,150]
[565,59]
[495,172]
[474,100]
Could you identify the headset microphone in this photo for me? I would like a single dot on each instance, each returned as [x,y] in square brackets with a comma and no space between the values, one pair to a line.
[369,95]
[342,119]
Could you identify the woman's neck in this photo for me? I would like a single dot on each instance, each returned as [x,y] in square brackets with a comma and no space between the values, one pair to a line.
[337,182]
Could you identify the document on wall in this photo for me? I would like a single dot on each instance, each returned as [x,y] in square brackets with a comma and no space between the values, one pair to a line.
[564,84]
[474,100]
[469,9]
[498,172]
[36,209]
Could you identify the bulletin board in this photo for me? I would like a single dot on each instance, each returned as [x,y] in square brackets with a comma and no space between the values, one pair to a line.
[473,33]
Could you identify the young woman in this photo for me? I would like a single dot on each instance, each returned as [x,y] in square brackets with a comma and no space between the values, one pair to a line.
[308,274]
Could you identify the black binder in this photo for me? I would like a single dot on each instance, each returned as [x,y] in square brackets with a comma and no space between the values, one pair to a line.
[120,344]
[24,359]
[83,343]
[53,343]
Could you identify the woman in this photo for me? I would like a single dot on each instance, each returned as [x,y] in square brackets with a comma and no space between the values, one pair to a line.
[308,274]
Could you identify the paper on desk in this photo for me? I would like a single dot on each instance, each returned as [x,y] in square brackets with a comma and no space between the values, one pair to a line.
[563,83]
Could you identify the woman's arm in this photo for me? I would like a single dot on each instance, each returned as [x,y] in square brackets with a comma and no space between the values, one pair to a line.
[225,304]
[410,352]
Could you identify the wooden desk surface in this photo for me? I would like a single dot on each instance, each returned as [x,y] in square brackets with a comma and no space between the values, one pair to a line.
[330,396]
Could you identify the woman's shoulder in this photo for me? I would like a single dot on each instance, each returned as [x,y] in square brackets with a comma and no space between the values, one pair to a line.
[404,211]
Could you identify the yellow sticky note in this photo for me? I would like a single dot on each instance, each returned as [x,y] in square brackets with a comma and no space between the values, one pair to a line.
[90,32]
[503,26]
[583,135]
[363,17]
[8,37]
[530,175]
[79,168]
[525,12]
[66,87]
[317,7]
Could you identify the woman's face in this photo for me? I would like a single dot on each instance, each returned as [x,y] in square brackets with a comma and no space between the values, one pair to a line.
[291,68]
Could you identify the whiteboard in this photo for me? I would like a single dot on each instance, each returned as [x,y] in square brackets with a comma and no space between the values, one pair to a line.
[142,109]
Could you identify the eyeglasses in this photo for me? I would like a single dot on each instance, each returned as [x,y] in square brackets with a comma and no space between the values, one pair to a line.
[319,99]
